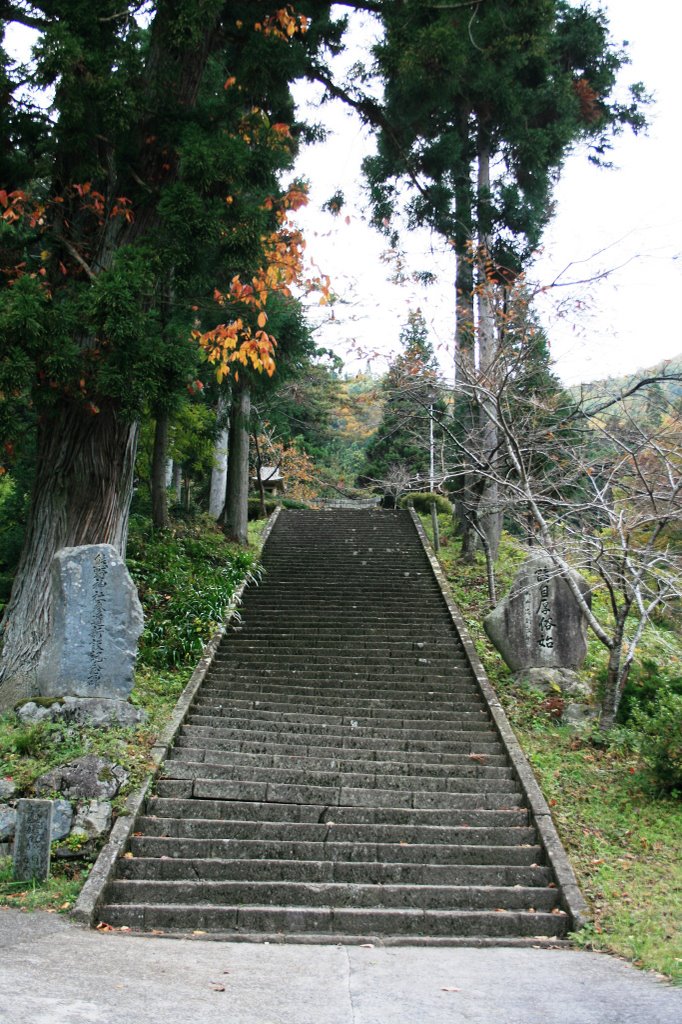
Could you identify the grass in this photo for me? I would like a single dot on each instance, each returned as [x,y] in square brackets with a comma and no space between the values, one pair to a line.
[186,577]
[622,840]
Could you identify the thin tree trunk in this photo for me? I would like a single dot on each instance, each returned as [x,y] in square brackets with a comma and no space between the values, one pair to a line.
[616,673]
[159,472]
[259,477]
[82,493]
[237,503]
[490,516]
[177,482]
[216,500]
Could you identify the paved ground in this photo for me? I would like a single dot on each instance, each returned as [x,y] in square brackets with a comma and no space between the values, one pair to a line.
[52,972]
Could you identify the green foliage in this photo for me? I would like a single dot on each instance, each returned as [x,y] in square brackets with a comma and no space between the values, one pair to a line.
[402,437]
[271,504]
[422,501]
[186,577]
[659,736]
[648,677]
[59,892]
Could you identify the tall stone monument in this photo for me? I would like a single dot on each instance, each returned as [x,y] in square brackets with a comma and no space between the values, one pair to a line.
[96,623]
[540,624]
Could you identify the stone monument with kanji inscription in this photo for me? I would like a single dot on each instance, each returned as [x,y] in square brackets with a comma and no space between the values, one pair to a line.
[96,623]
[540,624]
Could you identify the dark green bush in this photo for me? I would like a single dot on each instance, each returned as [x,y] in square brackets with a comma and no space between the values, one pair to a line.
[422,502]
[659,739]
[645,682]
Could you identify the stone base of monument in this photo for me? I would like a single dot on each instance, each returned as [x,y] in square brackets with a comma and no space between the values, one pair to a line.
[567,684]
[93,711]
[551,680]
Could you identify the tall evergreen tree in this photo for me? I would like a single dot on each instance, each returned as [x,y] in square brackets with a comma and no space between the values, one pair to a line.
[401,443]
[149,184]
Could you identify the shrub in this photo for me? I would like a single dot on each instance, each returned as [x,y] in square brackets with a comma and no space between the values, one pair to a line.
[186,577]
[422,502]
[644,684]
[659,739]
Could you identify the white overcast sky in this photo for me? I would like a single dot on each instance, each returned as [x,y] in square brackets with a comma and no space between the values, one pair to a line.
[630,217]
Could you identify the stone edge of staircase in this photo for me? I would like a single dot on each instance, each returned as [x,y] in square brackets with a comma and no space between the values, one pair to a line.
[85,908]
[572,900]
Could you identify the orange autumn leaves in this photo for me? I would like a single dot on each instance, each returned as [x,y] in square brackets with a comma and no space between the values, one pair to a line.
[244,340]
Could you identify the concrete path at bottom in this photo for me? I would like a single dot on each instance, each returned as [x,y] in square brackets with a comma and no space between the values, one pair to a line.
[53,972]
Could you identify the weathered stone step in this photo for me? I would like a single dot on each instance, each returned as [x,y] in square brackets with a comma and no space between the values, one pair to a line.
[331,646]
[470,742]
[468,778]
[465,767]
[255,849]
[479,744]
[320,676]
[277,831]
[261,724]
[334,894]
[241,790]
[326,758]
[339,921]
[274,688]
[368,707]
[402,720]
[323,629]
[348,872]
[395,817]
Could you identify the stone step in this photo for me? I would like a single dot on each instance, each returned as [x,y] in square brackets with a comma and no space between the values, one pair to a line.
[260,724]
[318,675]
[334,707]
[346,922]
[256,849]
[378,723]
[333,646]
[317,814]
[465,767]
[348,872]
[483,797]
[273,688]
[333,894]
[468,779]
[478,743]
[278,831]
[325,758]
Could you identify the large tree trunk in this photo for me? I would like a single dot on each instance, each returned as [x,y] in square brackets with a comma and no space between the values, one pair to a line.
[82,492]
[237,503]
[216,500]
[160,472]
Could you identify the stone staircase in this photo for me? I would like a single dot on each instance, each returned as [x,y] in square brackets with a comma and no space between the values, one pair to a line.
[338,776]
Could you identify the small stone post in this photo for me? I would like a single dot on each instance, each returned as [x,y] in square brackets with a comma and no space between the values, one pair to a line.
[32,840]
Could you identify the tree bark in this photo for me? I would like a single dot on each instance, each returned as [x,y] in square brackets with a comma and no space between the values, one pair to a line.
[216,500]
[489,515]
[82,493]
[237,502]
[160,472]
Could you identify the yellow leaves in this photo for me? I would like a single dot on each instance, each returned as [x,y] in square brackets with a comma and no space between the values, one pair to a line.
[262,319]
[230,82]
[283,24]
